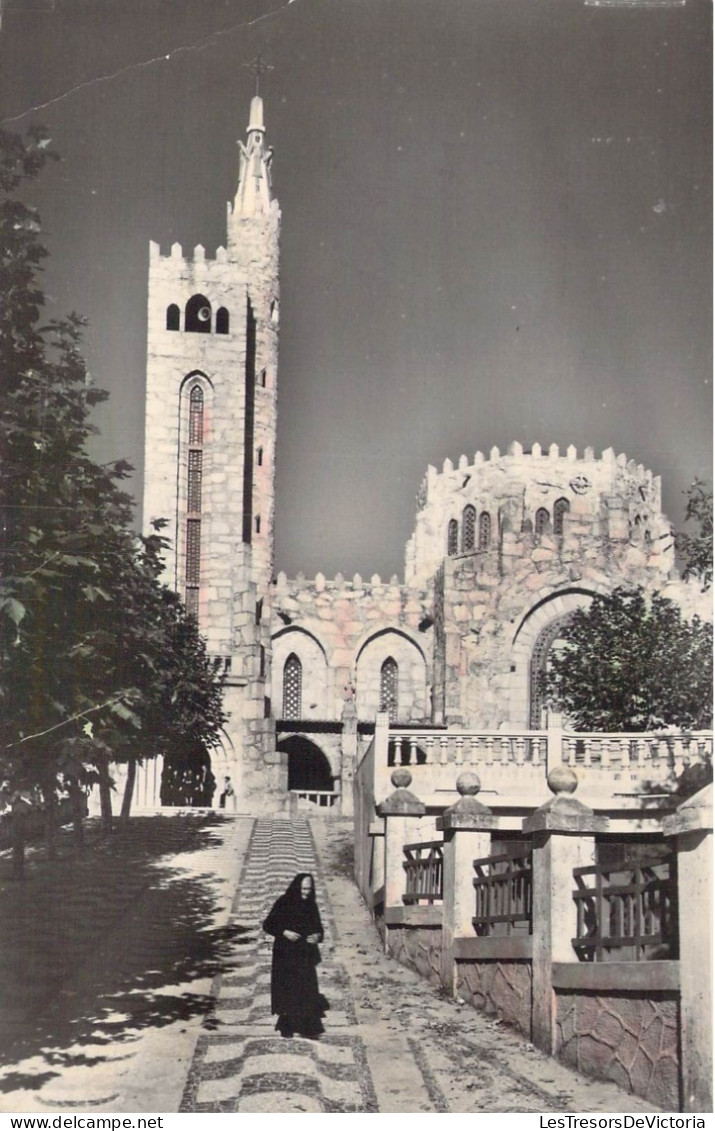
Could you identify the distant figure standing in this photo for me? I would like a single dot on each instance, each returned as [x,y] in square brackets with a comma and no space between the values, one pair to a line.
[227,792]
[294,922]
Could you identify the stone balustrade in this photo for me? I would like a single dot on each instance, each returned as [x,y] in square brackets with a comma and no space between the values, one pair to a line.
[466,748]
[619,767]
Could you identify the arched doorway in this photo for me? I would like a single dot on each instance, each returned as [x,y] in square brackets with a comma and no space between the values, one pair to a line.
[545,642]
[308,768]
[187,779]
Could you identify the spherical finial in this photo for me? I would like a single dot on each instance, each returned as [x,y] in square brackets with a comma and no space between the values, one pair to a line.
[561,780]
[401,779]
[468,784]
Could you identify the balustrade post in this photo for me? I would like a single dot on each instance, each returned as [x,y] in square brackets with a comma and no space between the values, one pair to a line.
[562,834]
[399,811]
[691,825]
[554,742]
[467,826]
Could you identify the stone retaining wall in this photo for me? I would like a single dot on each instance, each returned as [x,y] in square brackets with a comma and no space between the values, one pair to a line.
[502,989]
[420,948]
[628,1037]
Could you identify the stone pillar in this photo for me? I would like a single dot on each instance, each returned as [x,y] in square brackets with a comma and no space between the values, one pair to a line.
[563,839]
[691,825]
[399,810]
[348,756]
[467,826]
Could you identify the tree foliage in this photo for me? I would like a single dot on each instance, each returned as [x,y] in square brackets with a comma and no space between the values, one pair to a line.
[696,549]
[631,663]
[98,660]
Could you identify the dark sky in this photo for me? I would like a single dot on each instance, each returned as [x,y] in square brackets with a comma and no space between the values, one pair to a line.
[496,226]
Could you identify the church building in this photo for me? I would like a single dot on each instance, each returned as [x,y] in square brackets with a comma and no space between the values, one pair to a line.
[505,545]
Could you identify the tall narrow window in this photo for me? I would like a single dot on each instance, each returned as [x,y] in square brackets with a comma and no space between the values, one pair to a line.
[222,320]
[469,523]
[561,507]
[172,317]
[248,423]
[388,688]
[196,417]
[485,530]
[452,536]
[292,687]
[542,522]
[193,500]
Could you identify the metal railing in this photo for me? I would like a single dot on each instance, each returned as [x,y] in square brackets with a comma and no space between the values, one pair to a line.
[503,893]
[424,872]
[626,912]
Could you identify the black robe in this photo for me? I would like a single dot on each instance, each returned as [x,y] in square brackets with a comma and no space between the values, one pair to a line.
[294,980]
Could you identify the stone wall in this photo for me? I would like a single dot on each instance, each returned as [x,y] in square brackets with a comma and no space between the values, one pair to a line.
[630,1038]
[343,631]
[420,948]
[498,988]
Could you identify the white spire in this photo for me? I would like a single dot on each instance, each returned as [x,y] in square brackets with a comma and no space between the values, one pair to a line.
[253,196]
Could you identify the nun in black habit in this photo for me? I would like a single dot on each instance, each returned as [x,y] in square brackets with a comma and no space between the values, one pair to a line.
[294,922]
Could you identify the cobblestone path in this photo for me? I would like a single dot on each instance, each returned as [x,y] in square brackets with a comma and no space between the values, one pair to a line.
[393,1043]
[245,1065]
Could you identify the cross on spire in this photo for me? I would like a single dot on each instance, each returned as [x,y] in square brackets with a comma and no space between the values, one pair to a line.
[259,67]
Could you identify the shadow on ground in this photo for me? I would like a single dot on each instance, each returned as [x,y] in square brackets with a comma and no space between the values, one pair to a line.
[98,947]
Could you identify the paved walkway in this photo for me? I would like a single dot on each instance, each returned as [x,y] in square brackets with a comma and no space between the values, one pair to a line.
[392,1042]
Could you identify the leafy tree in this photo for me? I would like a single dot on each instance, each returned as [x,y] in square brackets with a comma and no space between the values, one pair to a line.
[631,663]
[86,627]
[63,519]
[697,549]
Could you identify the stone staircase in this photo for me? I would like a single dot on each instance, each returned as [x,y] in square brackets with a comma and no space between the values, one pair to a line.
[242,1064]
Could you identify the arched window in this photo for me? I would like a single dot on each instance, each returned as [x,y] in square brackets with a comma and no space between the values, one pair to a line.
[485,530]
[292,687]
[222,320]
[196,415]
[561,507]
[542,522]
[388,688]
[452,536]
[172,317]
[469,523]
[197,317]
[547,640]
[193,500]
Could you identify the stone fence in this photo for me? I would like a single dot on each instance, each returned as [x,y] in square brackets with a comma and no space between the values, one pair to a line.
[596,947]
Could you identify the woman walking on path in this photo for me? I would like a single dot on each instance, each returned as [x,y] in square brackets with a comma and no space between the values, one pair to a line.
[294,922]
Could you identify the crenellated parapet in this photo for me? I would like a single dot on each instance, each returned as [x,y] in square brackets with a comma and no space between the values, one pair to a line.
[487,504]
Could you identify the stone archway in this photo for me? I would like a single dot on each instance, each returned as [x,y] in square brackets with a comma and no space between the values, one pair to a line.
[308,767]
[553,609]
[538,667]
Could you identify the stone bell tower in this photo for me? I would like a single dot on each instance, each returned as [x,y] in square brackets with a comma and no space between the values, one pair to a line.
[212,357]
